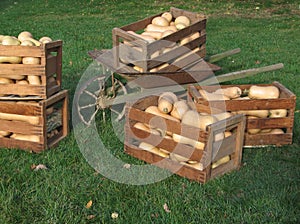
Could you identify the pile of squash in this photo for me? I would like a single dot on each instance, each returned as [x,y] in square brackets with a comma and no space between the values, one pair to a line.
[254,92]
[160,27]
[169,106]
[24,38]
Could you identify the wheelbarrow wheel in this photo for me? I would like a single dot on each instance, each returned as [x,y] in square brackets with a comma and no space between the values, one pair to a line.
[95,95]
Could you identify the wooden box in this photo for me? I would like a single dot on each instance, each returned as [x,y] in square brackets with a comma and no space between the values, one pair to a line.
[201,162]
[150,56]
[49,71]
[286,100]
[44,122]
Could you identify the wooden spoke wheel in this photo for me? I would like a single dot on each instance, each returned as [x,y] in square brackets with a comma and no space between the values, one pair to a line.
[97,94]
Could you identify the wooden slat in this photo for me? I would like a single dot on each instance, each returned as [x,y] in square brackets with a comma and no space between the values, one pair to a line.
[17,144]
[166,144]
[224,148]
[266,123]
[21,127]
[287,100]
[50,65]
[213,151]
[21,51]
[59,101]
[142,59]
[20,108]
[16,89]
[268,139]
[168,164]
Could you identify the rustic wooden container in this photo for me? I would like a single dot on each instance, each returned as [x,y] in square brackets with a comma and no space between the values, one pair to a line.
[213,150]
[286,100]
[141,53]
[50,128]
[49,70]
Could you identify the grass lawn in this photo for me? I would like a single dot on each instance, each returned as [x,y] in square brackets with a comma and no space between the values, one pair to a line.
[265,189]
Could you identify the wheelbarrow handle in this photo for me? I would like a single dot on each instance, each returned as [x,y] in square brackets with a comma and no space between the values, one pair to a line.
[218,57]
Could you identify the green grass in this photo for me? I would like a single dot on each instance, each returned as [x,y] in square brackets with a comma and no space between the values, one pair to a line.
[264,190]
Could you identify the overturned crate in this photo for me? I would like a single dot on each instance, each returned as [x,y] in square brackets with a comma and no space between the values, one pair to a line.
[34,125]
[274,130]
[41,64]
[170,53]
[202,162]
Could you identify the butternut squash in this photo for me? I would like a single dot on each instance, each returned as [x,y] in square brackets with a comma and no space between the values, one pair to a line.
[183,20]
[188,141]
[160,21]
[231,92]
[4,133]
[167,33]
[152,27]
[166,101]
[10,59]
[256,113]
[221,161]
[265,130]
[253,131]
[148,38]
[12,76]
[193,118]
[178,158]
[278,113]
[277,131]
[27,43]
[25,35]
[154,110]
[168,16]
[219,136]
[148,147]
[222,116]
[45,40]
[137,68]
[9,40]
[179,109]
[34,120]
[227,134]
[22,82]
[212,96]
[180,26]
[143,127]
[23,137]
[197,165]
[31,61]
[189,38]
[5,81]
[263,92]
[155,34]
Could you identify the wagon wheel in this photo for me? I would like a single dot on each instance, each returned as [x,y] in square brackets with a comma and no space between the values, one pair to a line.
[95,95]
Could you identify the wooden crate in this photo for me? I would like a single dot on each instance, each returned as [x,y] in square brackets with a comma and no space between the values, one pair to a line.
[202,171]
[286,100]
[49,71]
[47,120]
[140,52]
